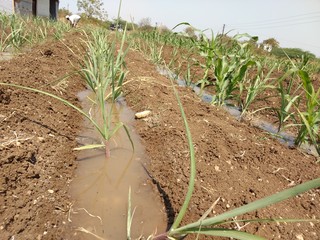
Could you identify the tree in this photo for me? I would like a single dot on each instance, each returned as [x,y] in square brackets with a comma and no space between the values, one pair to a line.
[92,9]
[145,23]
[190,32]
[123,23]
[164,29]
[271,42]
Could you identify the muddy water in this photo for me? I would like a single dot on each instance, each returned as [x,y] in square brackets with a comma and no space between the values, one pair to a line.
[101,186]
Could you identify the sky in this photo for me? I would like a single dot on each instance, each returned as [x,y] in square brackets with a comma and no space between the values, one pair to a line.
[293,23]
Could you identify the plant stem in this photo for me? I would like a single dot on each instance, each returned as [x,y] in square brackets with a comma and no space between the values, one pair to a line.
[107,148]
[162,236]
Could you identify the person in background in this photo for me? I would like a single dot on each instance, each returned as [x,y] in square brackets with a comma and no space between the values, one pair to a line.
[73,19]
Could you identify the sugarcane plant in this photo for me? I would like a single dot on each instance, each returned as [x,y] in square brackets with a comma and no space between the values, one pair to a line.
[103,71]
[16,32]
[104,74]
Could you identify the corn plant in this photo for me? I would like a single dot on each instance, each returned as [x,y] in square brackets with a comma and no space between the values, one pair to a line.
[255,87]
[289,97]
[207,49]
[310,119]
[188,76]
[228,75]
[226,61]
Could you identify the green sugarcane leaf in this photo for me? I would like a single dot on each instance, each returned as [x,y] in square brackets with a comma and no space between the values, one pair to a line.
[220,232]
[264,202]
[129,136]
[272,220]
[86,147]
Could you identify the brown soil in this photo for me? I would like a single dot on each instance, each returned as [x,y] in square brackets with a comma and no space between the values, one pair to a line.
[37,138]
[235,161]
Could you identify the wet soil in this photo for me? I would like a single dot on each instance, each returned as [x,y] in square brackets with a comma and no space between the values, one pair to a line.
[235,161]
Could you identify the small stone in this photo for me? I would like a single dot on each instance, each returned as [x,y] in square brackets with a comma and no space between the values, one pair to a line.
[142,114]
[217,168]
[50,191]
[299,237]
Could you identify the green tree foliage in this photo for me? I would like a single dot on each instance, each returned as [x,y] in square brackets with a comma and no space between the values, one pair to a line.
[292,53]
[145,24]
[92,9]
[122,23]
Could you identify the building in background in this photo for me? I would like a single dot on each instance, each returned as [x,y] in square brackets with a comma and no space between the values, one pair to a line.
[40,8]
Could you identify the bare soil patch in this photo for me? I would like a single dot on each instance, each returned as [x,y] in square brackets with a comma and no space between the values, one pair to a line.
[37,138]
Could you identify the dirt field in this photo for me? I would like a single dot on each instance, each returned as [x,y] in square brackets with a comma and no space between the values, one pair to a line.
[235,161]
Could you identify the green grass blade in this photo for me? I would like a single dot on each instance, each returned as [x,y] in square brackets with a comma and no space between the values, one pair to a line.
[272,220]
[264,202]
[225,233]
[129,136]
[192,165]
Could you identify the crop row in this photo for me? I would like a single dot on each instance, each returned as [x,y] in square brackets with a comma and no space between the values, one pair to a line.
[240,77]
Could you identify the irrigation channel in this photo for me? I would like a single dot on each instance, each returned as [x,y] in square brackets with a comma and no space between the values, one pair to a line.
[282,136]
[101,185]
